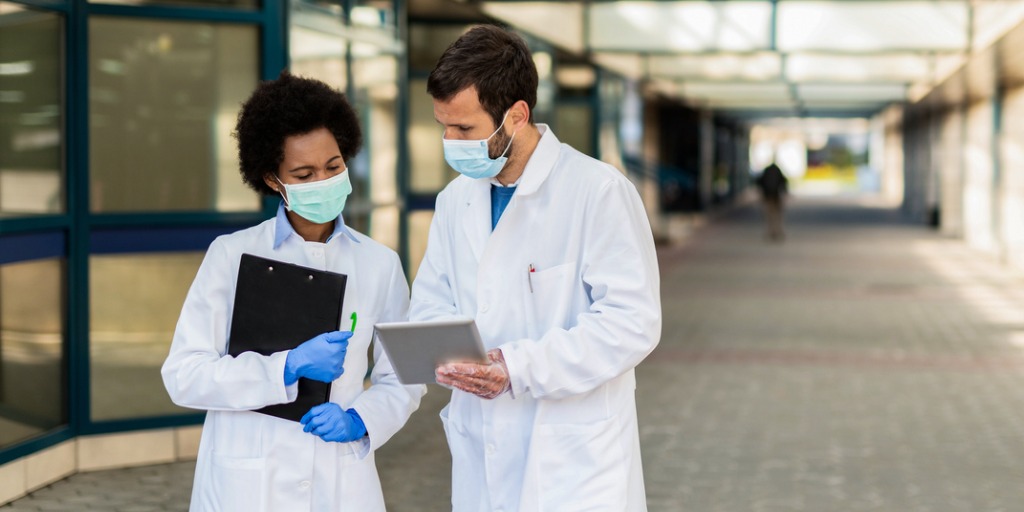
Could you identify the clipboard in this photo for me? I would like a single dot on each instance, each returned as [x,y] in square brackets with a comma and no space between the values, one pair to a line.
[278,306]
[415,349]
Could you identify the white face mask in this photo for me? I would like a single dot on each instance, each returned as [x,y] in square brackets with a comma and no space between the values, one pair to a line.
[472,157]
[320,201]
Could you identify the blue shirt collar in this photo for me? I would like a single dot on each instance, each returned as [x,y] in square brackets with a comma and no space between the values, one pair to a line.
[283,229]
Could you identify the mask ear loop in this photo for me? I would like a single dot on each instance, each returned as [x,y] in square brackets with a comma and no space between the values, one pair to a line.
[503,118]
[509,145]
[281,192]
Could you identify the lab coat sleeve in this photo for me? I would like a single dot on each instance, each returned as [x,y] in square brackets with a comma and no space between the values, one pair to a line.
[387,404]
[433,297]
[198,373]
[623,324]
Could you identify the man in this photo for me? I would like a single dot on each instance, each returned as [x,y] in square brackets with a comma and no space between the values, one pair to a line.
[774,186]
[552,254]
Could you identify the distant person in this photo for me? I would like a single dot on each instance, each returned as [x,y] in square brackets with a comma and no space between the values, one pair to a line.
[774,186]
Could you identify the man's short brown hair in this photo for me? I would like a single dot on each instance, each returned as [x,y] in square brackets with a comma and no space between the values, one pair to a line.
[494,60]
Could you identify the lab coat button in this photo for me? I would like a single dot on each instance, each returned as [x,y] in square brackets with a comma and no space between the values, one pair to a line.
[304,485]
[490,449]
[484,308]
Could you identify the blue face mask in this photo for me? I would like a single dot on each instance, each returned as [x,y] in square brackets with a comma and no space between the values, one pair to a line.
[472,157]
[321,201]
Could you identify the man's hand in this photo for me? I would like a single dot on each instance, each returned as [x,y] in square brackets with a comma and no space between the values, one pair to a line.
[483,380]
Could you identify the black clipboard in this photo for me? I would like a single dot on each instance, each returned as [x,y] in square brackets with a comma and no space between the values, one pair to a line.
[278,306]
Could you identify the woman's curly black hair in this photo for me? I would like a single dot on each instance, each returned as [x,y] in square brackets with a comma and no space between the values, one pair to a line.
[287,106]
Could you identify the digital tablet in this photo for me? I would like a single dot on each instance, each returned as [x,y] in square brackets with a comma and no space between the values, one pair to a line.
[417,348]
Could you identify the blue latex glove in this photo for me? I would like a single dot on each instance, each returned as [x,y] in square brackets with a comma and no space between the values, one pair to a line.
[333,424]
[321,358]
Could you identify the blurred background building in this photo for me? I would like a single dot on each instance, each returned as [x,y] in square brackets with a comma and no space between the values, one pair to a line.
[117,165]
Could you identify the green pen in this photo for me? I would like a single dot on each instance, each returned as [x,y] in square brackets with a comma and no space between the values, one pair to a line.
[354,318]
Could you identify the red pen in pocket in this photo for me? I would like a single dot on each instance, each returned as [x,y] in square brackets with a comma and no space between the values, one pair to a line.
[529,276]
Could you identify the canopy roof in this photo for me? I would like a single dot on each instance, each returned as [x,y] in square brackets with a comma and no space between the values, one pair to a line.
[769,58]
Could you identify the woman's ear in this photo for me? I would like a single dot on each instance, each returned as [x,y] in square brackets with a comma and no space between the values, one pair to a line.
[271,182]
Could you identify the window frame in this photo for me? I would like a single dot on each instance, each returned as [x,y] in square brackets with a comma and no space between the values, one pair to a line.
[78,233]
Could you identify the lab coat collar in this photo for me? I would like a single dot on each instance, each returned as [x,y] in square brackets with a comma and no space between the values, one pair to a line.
[541,162]
[477,218]
[283,229]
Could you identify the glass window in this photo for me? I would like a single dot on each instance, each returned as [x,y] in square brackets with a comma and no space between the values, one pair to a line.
[31,348]
[135,300]
[419,231]
[163,100]
[428,42]
[316,46]
[375,77]
[428,172]
[574,125]
[384,226]
[379,14]
[374,173]
[31,112]
[243,4]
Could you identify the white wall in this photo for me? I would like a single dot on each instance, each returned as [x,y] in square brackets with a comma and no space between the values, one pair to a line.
[1011,154]
[978,200]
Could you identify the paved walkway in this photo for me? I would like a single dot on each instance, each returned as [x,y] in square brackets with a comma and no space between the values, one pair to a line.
[864,364]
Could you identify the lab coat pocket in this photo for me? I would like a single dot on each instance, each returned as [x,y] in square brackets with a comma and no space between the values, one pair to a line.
[237,484]
[453,431]
[580,466]
[550,297]
[358,484]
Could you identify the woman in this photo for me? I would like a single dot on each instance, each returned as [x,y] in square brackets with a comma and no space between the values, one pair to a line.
[295,136]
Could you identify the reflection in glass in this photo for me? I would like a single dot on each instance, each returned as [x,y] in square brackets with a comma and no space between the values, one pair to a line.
[31,114]
[31,349]
[163,100]
[134,303]
[428,171]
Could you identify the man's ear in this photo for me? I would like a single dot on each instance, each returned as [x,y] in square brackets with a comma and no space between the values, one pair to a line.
[519,115]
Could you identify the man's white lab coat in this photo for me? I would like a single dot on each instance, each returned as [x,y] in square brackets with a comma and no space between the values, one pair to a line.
[251,462]
[572,330]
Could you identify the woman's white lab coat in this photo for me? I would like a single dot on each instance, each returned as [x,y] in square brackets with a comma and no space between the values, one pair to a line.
[571,330]
[251,462]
